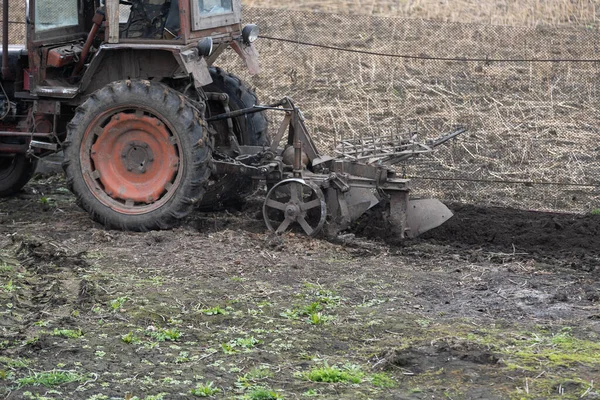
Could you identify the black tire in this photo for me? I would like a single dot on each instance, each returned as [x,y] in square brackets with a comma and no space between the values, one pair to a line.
[136,156]
[15,172]
[250,130]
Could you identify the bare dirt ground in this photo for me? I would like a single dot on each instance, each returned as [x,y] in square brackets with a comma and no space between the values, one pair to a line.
[496,304]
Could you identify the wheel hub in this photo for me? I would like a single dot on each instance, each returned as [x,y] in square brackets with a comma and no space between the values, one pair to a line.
[138,157]
[134,158]
[292,211]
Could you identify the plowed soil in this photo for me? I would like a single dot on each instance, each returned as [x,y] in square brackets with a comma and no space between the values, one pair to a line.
[497,303]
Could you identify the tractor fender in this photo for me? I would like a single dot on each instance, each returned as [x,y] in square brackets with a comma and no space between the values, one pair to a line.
[113,62]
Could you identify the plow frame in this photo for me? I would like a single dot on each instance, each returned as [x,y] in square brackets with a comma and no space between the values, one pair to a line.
[341,188]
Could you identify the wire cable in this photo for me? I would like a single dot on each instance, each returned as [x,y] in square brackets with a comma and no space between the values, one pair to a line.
[431,58]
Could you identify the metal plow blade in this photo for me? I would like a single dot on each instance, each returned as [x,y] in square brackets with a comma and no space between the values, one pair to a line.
[426,214]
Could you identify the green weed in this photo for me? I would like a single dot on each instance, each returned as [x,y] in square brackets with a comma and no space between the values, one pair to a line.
[333,374]
[382,380]
[216,310]
[205,390]
[50,378]
[14,362]
[130,338]
[261,393]
[4,267]
[9,287]
[118,303]
[164,334]
[68,333]
[596,211]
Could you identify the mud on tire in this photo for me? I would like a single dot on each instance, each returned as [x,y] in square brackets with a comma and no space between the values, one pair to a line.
[137,156]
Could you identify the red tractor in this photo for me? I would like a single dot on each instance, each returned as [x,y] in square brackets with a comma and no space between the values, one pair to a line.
[124,89]
[150,129]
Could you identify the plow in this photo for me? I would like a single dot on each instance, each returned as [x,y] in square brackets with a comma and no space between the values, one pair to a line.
[313,191]
[151,128]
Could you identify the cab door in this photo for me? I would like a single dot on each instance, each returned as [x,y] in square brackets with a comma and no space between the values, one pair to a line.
[52,23]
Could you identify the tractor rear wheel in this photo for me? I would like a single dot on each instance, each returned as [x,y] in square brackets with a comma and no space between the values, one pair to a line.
[15,172]
[249,129]
[137,156]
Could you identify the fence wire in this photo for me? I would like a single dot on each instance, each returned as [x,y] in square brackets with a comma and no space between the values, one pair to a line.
[16,22]
[529,97]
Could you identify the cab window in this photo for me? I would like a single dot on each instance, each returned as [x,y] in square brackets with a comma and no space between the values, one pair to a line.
[209,8]
[55,14]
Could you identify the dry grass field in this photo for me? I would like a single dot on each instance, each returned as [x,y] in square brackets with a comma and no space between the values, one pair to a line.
[498,12]
[527,121]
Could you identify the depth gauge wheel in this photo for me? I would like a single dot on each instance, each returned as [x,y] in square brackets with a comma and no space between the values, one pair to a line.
[295,201]
[15,172]
[136,156]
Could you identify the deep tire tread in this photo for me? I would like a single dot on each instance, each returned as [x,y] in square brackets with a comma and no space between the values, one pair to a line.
[180,113]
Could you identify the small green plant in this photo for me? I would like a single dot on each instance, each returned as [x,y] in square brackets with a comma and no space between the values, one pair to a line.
[596,211]
[164,334]
[130,338]
[205,390]
[4,267]
[261,393]
[183,357]
[247,342]
[319,318]
[312,308]
[333,374]
[68,333]
[9,287]
[14,362]
[228,348]
[118,303]
[47,201]
[382,380]
[216,310]
[50,378]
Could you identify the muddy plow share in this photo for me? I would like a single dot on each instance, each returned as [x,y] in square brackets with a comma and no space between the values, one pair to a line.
[316,192]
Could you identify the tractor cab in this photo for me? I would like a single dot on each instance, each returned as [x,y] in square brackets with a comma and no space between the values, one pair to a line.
[66,36]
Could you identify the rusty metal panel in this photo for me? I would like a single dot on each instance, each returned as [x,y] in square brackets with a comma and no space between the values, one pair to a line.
[112,19]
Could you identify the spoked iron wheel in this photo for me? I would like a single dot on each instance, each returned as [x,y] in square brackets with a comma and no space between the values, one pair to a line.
[295,202]
[136,156]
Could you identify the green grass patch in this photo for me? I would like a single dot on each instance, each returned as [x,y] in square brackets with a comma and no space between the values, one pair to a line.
[9,287]
[118,303]
[14,362]
[130,338]
[216,310]
[333,374]
[68,333]
[262,393]
[165,334]
[207,389]
[50,378]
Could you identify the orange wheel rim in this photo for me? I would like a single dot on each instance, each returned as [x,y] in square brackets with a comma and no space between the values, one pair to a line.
[131,160]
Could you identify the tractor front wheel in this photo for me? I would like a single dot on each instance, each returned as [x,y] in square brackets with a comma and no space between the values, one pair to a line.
[15,172]
[137,156]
